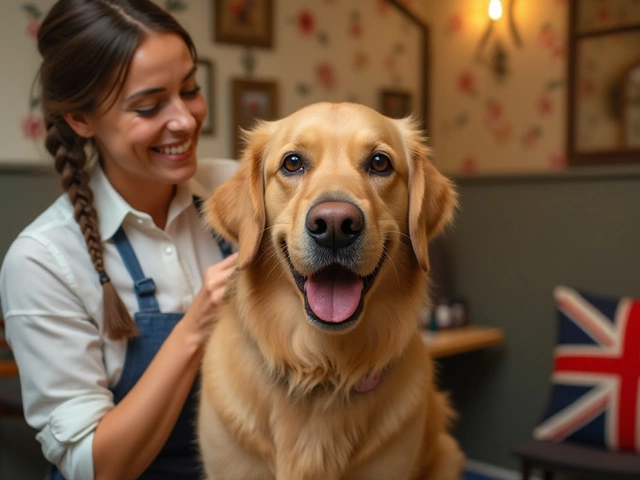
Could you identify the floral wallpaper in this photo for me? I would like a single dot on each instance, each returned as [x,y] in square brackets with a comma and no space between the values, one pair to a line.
[499,91]
[497,99]
[332,50]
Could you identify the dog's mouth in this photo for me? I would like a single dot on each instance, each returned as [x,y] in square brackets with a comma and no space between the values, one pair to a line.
[334,295]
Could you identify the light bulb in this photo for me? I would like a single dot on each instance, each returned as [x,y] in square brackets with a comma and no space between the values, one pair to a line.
[495,9]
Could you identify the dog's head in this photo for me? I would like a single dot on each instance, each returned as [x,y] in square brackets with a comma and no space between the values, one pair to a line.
[333,197]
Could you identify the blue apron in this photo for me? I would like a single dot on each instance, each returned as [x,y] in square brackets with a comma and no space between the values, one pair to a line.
[179,457]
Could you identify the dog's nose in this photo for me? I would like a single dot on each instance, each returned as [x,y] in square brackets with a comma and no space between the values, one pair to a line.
[334,224]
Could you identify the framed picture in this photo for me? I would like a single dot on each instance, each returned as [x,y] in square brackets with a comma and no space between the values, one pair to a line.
[603,84]
[244,23]
[252,100]
[204,77]
[395,103]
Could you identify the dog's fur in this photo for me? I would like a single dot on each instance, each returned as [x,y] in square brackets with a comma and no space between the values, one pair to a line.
[281,394]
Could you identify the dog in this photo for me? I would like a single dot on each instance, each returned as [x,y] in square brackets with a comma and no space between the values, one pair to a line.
[316,369]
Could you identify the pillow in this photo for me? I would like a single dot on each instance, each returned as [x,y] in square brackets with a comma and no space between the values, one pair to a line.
[596,372]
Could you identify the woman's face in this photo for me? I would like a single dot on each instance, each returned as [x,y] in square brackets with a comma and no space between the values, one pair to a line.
[148,136]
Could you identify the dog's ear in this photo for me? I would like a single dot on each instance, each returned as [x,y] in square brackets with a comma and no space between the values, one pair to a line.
[236,208]
[432,198]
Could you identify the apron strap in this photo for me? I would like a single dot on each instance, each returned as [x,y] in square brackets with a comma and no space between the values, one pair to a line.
[144,287]
[225,247]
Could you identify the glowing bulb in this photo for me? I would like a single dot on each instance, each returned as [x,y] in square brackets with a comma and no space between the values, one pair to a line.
[495,9]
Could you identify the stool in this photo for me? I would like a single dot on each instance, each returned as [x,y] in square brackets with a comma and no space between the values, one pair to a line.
[589,462]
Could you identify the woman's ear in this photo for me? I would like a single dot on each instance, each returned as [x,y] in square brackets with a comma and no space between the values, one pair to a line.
[80,124]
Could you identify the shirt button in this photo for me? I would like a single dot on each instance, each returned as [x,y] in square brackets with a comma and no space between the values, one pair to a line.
[168,250]
[140,221]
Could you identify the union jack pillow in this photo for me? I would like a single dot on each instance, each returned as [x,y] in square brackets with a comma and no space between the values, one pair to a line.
[596,372]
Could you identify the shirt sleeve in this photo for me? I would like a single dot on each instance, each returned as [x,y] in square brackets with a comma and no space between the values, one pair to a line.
[58,350]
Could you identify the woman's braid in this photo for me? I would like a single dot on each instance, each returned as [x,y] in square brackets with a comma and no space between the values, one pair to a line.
[68,150]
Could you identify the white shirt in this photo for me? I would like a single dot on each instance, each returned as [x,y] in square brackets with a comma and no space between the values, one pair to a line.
[52,305]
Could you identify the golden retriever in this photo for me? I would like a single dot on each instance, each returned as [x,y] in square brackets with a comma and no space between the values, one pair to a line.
[316,369]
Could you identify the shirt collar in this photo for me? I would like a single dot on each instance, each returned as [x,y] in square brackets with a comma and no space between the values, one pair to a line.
[112,209]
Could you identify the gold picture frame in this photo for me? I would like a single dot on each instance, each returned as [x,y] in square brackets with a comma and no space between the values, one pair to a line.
[395,103]
[204,77]
[244,23]
[252,100]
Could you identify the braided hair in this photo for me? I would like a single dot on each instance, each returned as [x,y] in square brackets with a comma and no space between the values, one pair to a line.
[86,48]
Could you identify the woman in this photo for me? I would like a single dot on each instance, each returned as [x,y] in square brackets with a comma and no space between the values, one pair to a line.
[92,291]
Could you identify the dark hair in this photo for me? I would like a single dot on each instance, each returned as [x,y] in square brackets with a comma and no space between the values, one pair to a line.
[86,48]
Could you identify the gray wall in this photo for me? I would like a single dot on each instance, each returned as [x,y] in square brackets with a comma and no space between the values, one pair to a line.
[514,240]
[23,195]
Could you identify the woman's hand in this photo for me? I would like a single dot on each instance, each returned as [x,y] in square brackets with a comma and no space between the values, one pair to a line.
[152,406]
[204,312]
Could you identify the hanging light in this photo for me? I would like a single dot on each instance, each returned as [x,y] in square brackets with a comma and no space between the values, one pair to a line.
[497,58]
[495,9]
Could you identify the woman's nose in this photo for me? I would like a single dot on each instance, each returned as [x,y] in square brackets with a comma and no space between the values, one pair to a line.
[181,118]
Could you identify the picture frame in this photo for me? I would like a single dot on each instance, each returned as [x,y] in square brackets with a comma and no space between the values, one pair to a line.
[395,103]
[252,100]
[244,23]
[204,78]
[603,85]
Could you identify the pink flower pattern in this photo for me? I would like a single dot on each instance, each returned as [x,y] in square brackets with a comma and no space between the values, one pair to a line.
[32,127]
[467,82]
[549,39]
[545,105]
[493,112]
[355,29]
[587,88]
[32,28]
[390,63]
[456,24]
[326,76]
[557,160]
[469,165]
[360,60]
[383,7]
[306,23]
[531,137]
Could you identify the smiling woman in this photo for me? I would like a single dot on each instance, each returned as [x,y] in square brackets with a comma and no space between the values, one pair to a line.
[118,275]
[148,134]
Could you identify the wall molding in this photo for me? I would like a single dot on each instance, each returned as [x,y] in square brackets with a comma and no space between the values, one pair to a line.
[595,173]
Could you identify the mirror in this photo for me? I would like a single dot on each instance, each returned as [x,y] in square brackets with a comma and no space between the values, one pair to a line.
[604,82]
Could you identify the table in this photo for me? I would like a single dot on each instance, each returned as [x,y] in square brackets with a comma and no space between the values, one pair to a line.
[444,343]
[8,368]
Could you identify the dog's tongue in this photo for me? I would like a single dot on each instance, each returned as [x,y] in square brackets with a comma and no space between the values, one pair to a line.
[334,294]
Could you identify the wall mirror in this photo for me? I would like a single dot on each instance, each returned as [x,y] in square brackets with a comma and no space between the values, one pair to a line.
[604,82]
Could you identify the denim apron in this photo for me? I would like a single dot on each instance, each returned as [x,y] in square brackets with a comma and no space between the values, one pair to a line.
[179,457]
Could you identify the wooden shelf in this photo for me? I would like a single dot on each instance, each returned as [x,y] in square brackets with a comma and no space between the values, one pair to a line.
[444,343]
[8,368]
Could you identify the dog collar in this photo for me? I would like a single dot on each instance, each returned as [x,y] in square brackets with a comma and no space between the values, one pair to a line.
[367,383]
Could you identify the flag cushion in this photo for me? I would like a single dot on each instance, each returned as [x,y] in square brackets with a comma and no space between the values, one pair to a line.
[596,372]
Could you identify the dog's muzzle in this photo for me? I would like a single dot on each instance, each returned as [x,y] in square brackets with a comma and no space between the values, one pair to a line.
[334,293]
[334,225]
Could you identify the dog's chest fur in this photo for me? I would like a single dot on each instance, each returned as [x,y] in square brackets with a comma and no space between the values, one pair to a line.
[301,436]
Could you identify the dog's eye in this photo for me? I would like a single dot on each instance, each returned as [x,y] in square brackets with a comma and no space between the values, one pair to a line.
[292,163]
[380,163]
